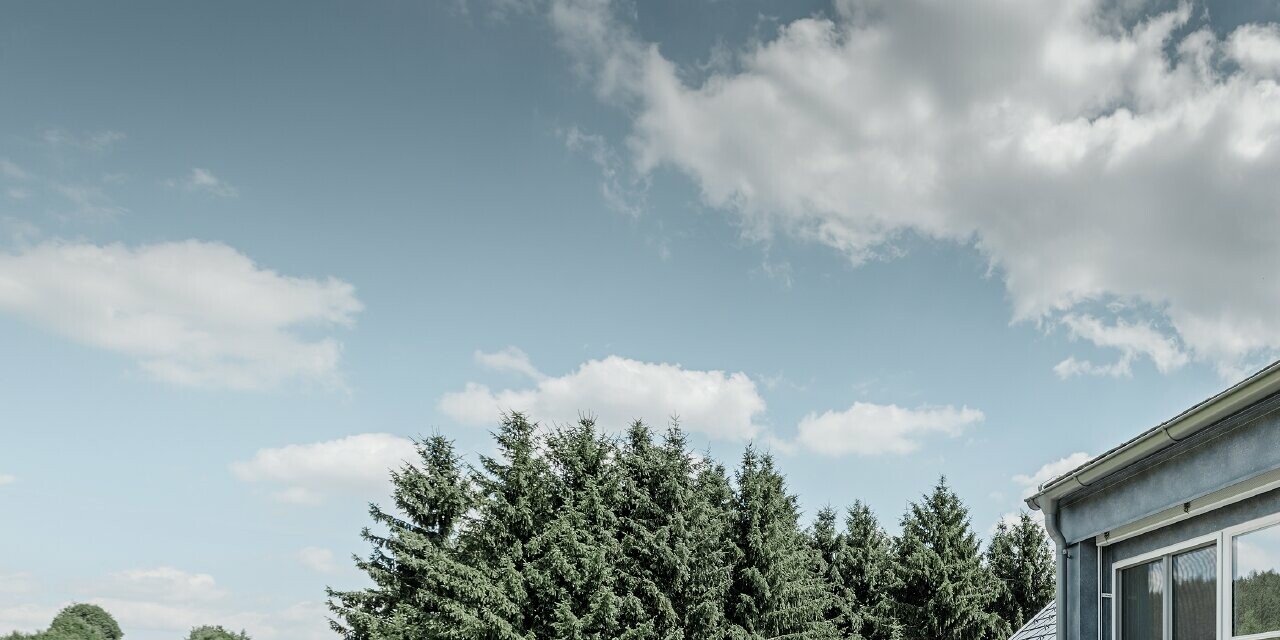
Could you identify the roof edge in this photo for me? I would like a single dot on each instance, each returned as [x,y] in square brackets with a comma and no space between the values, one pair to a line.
[1200,416]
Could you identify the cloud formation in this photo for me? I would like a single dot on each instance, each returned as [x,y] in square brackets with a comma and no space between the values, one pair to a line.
[1050,470]
[309,473]
[197,314]
[317,559]
[204,180]
[617,390]
[1094,162]
[873,429]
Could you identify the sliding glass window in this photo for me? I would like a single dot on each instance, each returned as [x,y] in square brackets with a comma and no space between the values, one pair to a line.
[1195,594]
[1142,601]
[1173,597]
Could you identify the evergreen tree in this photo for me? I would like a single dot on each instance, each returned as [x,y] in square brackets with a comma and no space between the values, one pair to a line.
[866,564]
[570,575]
[943,590]
[655,494]
[421,588]
[857,565]
[713,556]
[1021,560]
[515,506]
[775,589]
[829,545]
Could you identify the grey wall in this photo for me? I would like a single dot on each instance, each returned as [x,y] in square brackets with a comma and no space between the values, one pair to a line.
[1081,617]
[1189,470]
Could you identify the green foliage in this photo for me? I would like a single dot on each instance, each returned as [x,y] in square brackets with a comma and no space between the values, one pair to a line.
[775,589]
[857,571]
[215,633]
[83,621]
[568,533]
[422,589]
[1257,603]
[1021,560]
[943,590]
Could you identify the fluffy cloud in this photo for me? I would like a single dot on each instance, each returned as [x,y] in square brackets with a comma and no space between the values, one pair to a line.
[307,473]
[871,429]
[317,559]
[510,359]
[190,313]
[204,180]
[1094,162]
[1031,483]
[618,390]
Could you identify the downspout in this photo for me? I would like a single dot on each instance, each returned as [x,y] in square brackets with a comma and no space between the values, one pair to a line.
[1050,508]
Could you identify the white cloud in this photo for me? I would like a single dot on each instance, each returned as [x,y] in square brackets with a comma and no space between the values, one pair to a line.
[26,617]
[94,141]
[1133,340]
[190,313]
[872,429]
[618,390]
[10,170]
[308,473]
[7,478]
[1031,483]
[510,359]
[1090,161]
[204,180]
[317,559]
[164,583]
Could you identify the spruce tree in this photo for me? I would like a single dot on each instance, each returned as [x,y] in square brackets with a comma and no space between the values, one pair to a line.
[422,590]
[865,562]
[570,574]
[655,497]
[775,589]
[857,569]
[829,545]
[514,506]
[1021,560]
[943,590]
[713,555]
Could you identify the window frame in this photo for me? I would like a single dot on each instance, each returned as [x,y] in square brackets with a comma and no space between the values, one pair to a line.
[1221,541]
[1165,556]
[1226,562]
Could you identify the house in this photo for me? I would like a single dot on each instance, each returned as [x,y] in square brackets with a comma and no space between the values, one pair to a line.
[1175,534]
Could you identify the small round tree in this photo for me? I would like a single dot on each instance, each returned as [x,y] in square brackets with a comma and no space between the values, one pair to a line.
[209,632]
[85,620]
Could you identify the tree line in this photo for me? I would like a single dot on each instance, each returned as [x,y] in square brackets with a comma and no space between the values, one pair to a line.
[570,533]
[91,622]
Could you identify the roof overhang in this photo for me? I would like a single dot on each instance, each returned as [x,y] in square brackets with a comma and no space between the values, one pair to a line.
[1256,387]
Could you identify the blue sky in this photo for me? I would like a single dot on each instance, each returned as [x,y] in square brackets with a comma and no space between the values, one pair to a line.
[247,250]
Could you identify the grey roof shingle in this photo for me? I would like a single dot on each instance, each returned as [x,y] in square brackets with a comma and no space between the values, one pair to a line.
[1042,626]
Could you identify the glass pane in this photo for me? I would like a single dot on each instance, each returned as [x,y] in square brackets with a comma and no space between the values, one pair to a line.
[1142,602]
[1255,583]
[1195,594]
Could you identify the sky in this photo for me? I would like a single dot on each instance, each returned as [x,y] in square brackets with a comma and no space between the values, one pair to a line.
[249,250]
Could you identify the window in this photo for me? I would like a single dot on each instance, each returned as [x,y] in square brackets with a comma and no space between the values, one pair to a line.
[1195,594]
[1172,597]
[1142,602]
[1255,582]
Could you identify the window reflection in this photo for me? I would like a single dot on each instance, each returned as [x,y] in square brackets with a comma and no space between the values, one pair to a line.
[1142,602]
[1195,594]
[1255,583]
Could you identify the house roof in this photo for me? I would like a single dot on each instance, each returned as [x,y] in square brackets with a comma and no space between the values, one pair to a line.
[1042,626]
[1264,383]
